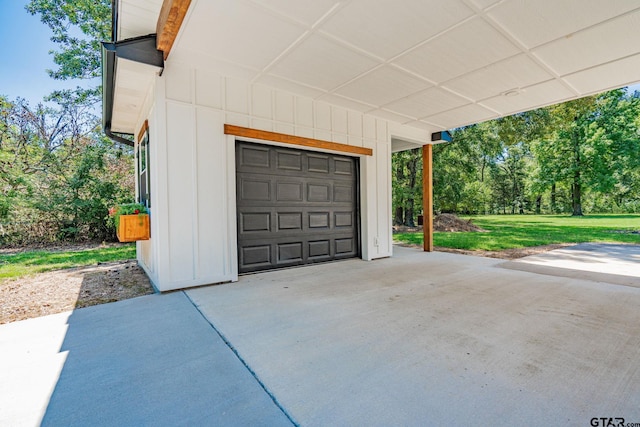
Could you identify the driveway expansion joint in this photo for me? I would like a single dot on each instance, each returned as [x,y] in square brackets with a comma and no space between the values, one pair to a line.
[244,363]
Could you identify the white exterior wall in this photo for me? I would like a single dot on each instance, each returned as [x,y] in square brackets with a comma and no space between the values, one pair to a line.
[192,169]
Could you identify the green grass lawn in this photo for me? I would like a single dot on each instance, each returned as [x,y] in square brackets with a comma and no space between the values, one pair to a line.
[31,262]
[518,231]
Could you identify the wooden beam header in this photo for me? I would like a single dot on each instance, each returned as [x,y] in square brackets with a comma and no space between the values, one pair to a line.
[169,22]
[295,140]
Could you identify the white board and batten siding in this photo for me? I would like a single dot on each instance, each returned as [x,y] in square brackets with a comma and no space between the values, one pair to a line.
[193,169]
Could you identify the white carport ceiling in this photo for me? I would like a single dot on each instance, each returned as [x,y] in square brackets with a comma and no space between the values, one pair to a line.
[432,64]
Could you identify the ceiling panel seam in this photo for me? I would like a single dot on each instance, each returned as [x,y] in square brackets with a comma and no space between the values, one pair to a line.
[308,32]
[521,46]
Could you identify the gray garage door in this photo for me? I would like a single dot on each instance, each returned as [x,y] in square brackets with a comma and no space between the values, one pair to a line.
[294,207]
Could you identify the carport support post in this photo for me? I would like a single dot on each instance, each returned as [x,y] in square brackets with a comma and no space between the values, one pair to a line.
[427,196]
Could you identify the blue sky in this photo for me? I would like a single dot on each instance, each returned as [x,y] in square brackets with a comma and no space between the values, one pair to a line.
[25,55]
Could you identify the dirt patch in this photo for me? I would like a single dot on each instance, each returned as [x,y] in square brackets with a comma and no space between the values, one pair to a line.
[63,290]
[451,223]
[507,253]
[443,222]
[625,231]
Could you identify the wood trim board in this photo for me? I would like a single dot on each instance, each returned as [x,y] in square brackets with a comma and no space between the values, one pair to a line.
[295,140]
[143,129]
[169,22]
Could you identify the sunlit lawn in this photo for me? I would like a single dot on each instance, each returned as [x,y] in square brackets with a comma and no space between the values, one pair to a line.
[517,231]
[31,262]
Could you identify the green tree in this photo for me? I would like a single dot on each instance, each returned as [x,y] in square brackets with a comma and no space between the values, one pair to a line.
[407,186]
[57,168]
[454,166]
[591,144]
[78,27]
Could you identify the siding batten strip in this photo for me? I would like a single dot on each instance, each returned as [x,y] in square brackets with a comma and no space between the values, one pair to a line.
[295,140]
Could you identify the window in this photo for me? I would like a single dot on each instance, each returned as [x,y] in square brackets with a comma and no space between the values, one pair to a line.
[142,153]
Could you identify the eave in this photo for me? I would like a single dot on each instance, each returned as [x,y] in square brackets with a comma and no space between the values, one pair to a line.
[129,67]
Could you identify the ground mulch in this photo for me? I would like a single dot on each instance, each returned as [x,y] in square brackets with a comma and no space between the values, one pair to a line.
[63,290]
[444,222]
[506,253]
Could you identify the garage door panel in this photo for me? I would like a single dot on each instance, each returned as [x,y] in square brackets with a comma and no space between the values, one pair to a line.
[343,219]
[319,249]
[318,192]
[288,161]
[289,252]
[289,221]
[256,256]
[255,189]
[318,220]
[318,163]
[302,209]
[343,193]
[255,222]
[289,191]
[344,246]
[254,157]
[344,167]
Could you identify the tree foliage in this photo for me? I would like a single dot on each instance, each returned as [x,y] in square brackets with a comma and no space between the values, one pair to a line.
[56,168]
[78,27]
[407,184]
[59,174]
[571,157]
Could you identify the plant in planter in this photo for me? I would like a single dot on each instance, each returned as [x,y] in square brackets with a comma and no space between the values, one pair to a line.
[132,222]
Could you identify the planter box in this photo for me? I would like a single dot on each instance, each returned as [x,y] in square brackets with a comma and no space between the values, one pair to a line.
[133,228]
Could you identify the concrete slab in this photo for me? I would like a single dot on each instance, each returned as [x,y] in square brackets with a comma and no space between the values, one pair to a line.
[434,339]
[152,360]
[598,262]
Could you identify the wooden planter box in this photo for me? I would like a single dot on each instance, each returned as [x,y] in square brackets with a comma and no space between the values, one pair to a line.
[133,228]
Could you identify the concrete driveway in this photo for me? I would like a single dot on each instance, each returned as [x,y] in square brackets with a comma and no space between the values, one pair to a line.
[417,339]
[148,361]
[434,339]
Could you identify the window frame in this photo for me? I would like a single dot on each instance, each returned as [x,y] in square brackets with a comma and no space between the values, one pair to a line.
[142,166]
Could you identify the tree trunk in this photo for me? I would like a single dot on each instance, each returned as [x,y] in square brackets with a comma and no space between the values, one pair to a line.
[553,198]
[412,166]
[539,204]
[398,217]
[408,218]
[576,187]
[576,195]
[399,211]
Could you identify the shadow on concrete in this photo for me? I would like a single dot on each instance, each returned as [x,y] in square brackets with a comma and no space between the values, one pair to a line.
[153,360]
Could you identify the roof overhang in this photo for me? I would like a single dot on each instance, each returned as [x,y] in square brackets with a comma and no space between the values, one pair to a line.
[427,64]
[129,68]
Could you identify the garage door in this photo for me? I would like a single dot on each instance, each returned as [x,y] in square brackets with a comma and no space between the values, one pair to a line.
[294,207]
